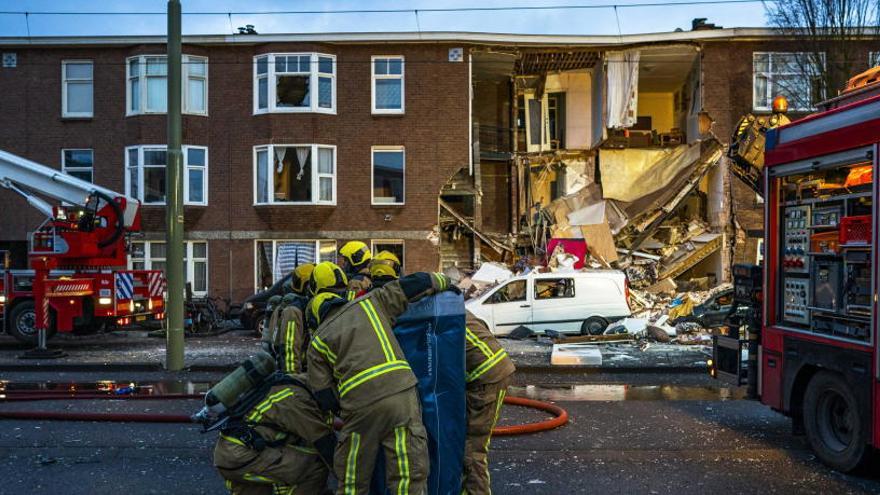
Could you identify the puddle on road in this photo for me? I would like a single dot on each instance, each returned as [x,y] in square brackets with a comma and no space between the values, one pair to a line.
[605,392]
[108,387]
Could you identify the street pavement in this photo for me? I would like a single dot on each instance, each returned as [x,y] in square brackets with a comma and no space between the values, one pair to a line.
[647,432]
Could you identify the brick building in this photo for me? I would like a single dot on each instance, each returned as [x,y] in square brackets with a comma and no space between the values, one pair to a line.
[295,144]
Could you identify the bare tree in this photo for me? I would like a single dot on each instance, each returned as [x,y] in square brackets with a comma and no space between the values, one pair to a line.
[826,30]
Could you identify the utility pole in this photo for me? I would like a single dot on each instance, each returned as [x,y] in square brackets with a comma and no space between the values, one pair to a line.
[174,197]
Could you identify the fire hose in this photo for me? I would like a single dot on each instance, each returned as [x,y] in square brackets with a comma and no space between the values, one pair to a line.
[560,415]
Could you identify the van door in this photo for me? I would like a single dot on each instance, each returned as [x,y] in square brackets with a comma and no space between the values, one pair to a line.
[555,305]
[510,306]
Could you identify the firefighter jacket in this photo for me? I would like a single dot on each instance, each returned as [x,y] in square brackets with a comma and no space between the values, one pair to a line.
[288,415]
[485,360]
[354,358]
[358,284]
[291,339]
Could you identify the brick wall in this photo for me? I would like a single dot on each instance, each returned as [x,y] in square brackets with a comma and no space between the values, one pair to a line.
[727,96]
[434,132]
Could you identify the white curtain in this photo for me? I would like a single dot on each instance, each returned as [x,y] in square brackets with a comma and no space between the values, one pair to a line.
[302,154]
[622,94]
[280,151]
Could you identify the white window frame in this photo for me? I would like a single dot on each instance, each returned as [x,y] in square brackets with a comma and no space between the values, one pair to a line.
[771,76]
[188,259]
[400,242]
[67,170]
[275,255]
[141,77]
[373,151]
[270,149]
[140,172]
[314,85]
[873,59]
[374,77]
[64,83]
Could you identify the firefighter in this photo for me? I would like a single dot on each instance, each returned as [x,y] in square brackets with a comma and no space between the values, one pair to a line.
[270,318]
[357,368]
[274,438]
[384,268]
[287,340]
[488,374]
[354,259]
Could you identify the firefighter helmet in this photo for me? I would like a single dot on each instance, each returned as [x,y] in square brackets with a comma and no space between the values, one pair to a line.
[356,254]
[780,104]
[299,277]
[319,305]
[385,264]
[327,277]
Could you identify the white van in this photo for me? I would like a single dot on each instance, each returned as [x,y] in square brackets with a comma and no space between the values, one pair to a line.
[576,302]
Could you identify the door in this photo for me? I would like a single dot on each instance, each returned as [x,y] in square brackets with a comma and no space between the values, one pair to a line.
[554,306]
[510,306]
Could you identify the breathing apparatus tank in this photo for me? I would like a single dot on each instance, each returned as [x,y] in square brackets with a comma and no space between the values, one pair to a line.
[225,394]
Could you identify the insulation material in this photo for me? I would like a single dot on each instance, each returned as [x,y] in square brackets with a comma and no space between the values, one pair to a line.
[491,273]
[578,175]
[600,241]
[622,93]
[630,174]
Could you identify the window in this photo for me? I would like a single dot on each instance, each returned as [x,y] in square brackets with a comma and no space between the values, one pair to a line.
[792,75]
[276,259]
[147,89]
[295,82]
[145,174]
[873,59]
[77,83]
[512,292]
[387,86]
[393,246]
[78,163]
[554,288]
[388,175]
[295,174]
[150,255]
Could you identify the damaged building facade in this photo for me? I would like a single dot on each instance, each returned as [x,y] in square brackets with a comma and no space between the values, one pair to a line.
[450,149]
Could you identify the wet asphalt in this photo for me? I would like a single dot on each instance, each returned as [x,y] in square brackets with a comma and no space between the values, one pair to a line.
[648,432]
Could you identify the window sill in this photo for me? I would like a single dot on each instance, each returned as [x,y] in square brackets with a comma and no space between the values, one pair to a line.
[295,111]
[264,205]
[165,113]
[378,206]
[75,118]
[375,113]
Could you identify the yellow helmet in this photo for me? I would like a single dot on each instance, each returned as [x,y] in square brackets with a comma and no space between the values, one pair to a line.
[316,305]
[327,276]
[357,254]
[385,264]
[299,277]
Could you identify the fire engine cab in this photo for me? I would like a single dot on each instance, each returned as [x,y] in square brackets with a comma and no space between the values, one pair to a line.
[814,351]
[77,278]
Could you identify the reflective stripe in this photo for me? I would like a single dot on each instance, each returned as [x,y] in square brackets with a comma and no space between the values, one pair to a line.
[256,478]
[282,489]
[402,460]
[257,414]
[486,365]
[476,342]
[351,465]
[498,404]
[441,281]
[370,373]
[232,440]
[289,355]
[376,323]
[229,487]
[304,450]
[322,347]
[351,295]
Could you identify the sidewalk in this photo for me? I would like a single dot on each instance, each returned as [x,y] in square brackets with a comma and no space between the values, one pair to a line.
[135,350]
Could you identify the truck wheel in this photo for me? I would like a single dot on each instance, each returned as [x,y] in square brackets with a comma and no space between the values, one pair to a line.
[836,431]
[594,325]
[22,323]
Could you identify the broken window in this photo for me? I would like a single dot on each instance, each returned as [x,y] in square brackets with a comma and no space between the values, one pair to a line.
[554,288]
[295,82]
[556,120]
[296,174]
[388,175]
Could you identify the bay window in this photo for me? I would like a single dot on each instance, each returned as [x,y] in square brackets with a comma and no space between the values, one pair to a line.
[145,174]
[295,174]
[275,259]
[147,84]
[150,255]
[295,82]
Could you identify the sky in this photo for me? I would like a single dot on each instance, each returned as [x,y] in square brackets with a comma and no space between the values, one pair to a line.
[586,22]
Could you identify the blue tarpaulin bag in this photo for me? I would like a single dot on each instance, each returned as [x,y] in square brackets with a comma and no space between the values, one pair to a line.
[431,334]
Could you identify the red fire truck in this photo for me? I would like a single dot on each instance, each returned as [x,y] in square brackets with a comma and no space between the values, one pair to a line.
[815,353]
[77,256]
